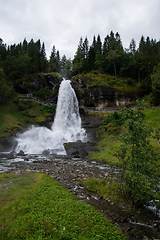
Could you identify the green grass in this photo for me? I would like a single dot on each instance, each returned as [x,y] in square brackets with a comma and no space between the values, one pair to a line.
[105,80]
[10,119]
[106,151]
[45,210]
[17,115]
[152,117]
[105,188]
[14,186]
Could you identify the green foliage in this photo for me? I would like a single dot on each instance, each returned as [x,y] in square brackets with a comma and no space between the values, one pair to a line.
[156,85]
[50,108]
[43,93]
[112,123]
[6,89]
[35,112]
[112,59]
[139,174]
[53,74]
[24,105]
[48,211]
[18,114]
[103,187]
[97,79]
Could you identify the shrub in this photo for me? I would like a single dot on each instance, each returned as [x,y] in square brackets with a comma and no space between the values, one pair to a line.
[139,170]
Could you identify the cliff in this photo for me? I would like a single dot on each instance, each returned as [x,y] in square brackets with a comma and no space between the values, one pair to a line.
[45,87]
[102,97]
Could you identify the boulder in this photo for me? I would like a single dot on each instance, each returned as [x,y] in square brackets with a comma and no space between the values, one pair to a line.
[79,149]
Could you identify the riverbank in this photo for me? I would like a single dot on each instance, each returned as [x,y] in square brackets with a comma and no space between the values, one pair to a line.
[134,223]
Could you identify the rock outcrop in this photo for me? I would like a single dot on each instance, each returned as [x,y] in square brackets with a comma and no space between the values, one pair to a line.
[102,97]
[32,84]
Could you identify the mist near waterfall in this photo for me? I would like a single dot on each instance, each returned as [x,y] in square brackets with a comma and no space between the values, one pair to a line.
[65,128]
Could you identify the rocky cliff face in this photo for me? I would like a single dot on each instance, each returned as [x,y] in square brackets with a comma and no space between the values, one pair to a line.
[45,83]
[89,97]
[102,97]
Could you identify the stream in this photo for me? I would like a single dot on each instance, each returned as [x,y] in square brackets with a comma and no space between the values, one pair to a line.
[135,224]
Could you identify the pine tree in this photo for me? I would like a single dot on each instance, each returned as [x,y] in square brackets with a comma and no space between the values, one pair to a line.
[132,46]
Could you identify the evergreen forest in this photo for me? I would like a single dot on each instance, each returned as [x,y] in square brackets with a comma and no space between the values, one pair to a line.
[139,63]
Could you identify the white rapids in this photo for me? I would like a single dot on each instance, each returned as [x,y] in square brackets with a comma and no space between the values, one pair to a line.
[66,126]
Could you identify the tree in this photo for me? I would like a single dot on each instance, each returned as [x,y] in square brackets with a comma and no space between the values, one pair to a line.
[5,89]
[156,85]
[66,67]
[3,51]
[52,61]
[85,48]
[139,173]
[58,62]
[132,46]
[43,59]
[25,46]
[113,56]
[142,45]
[78,61]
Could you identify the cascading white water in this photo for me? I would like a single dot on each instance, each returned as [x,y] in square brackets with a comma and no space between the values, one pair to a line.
[66,126]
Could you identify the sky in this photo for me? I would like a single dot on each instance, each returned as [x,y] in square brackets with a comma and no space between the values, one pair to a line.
[61,23]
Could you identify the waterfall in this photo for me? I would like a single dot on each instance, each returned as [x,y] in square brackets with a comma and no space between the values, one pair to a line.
[66,126]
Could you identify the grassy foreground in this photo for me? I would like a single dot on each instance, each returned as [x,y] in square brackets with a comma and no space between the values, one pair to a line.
[35,206]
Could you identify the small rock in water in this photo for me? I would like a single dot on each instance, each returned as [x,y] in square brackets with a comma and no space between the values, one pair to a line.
[46,152]
[21,153]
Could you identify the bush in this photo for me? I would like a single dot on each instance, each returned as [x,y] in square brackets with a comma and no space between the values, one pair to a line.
[24,105]
[115,117]
[129,81]
[43,93]
[139,174]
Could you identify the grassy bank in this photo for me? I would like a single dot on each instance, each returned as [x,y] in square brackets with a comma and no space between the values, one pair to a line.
[16,115]
[96,79]
[38,207]
[111,131]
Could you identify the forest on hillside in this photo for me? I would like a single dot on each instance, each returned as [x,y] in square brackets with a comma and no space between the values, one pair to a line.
[137,62]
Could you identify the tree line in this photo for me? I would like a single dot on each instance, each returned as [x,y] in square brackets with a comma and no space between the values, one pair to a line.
[29,58]
[110,57]
[137,62]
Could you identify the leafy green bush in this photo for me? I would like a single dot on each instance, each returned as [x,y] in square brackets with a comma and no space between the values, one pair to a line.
[115,117]
[24,105]
[139,162]
[43,93]
[50,108]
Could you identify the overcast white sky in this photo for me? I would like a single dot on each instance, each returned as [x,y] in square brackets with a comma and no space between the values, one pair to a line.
[63,22]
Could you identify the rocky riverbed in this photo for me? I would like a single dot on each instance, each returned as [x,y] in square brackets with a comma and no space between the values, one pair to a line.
[140,224]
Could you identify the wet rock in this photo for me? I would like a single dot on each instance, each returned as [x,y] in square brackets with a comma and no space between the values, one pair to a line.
[79,149]
[46,152]
[7,144]
[21,153]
